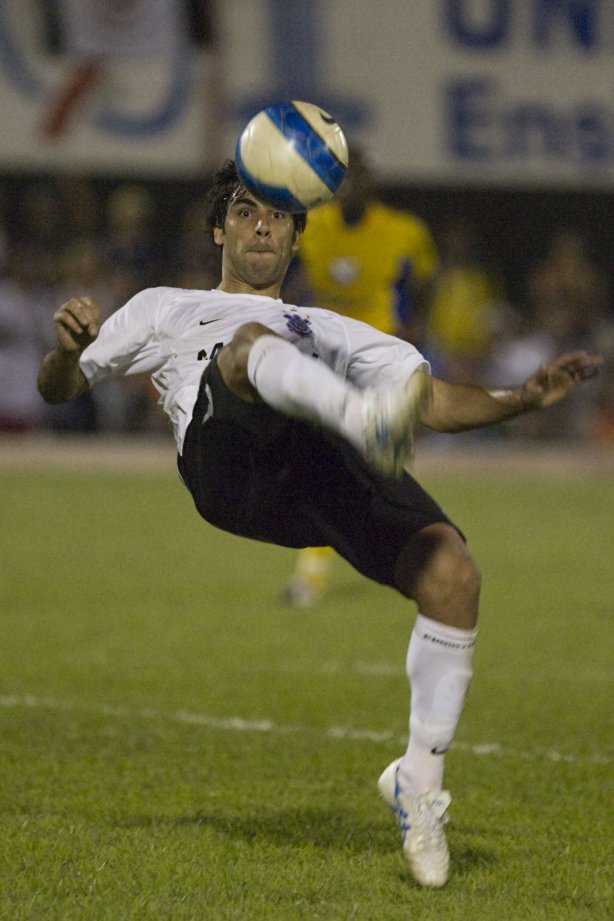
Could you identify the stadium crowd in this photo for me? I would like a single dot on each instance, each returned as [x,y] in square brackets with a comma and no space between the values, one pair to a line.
[70,235]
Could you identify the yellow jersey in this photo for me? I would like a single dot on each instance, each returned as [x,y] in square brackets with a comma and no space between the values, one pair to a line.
[366,270]
[461,310]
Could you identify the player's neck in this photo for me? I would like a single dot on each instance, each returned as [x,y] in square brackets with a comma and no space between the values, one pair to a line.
[236,286]
[353,214]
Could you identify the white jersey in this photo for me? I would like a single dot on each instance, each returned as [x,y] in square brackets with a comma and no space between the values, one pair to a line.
[173,333]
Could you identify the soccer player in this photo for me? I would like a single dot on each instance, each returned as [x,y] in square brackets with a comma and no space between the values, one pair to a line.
[383,285]
[293,426]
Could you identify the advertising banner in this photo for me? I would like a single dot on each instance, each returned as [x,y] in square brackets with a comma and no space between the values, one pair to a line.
[499,92]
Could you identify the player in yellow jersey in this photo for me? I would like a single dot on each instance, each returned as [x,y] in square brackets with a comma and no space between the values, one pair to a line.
[364,259]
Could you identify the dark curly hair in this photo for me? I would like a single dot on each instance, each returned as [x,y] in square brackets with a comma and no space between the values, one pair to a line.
[223,186]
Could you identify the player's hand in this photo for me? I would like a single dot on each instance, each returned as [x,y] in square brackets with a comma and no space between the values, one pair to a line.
[77,323]
[555,379]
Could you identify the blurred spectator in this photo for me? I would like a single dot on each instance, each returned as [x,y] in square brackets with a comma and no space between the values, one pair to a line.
[82,206]
[4,240]
[22,343]
[602,429]
[129,233]
[463,309]
[518,346]
[568,292]
[196,260]
[567,310]
[39,230]
[84,266]
[569,298]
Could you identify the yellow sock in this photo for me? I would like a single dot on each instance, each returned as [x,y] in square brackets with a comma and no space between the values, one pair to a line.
[313,565]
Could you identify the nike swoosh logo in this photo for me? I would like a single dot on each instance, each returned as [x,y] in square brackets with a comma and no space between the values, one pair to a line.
[327,118]
[439,750]
[205,322]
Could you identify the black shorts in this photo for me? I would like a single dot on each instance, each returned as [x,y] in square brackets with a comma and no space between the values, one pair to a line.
[254,472]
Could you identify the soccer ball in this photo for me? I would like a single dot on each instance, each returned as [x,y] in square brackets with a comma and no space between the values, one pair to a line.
[292,155]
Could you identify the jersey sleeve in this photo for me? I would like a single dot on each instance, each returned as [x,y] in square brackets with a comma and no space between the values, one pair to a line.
[364,355]
[379,360]
[128,342]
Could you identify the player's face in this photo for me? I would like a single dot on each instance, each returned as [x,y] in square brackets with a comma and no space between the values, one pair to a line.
[259,242]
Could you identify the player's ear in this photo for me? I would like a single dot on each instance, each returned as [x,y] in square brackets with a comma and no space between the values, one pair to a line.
[218,236]
[296,240]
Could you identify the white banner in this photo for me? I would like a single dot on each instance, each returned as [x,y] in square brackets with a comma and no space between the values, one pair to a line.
[127,91]
[505,92]
[101,28]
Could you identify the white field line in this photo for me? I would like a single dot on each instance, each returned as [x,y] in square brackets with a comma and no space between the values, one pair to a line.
[337,733]
[383,669]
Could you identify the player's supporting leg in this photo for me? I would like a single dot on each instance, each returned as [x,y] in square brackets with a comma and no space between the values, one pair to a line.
[436,570]
[308,581]
[379,424]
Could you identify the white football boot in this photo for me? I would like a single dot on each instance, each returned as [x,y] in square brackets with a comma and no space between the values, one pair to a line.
[421,819]
[389,419]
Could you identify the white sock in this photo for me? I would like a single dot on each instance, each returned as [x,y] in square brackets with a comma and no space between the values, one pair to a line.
[439,668]
[304,388]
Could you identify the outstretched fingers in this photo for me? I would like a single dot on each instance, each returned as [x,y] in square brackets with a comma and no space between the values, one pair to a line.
[557,378]
[580,366]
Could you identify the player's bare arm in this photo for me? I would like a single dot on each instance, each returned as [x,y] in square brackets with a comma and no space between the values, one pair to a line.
[77,323]
[457,407]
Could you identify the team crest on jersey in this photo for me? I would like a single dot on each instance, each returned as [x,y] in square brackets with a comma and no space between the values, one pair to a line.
[299,325]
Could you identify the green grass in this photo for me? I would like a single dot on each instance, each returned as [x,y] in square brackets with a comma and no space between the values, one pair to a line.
[175,744]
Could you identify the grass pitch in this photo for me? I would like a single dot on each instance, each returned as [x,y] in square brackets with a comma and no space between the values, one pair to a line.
[176,744]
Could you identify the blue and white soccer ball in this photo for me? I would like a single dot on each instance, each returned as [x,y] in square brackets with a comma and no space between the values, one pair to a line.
[292,155]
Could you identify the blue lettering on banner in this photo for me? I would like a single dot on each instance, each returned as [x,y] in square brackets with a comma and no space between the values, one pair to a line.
[464,31]
[469,118]
[489,24]
[485,128]
[581,16]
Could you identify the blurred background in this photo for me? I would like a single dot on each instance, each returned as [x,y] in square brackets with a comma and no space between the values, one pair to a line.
[489,121]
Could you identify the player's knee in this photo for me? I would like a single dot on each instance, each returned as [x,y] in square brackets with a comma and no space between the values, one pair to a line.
[437,570]
[463,576]
[237,351]
[232,359]
[454,578]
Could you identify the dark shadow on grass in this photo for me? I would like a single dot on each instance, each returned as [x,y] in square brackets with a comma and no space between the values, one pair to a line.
[328,829]
[467,858]
[334,829]
[323,828]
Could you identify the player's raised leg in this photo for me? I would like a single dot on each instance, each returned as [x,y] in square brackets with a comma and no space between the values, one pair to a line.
[380,424]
